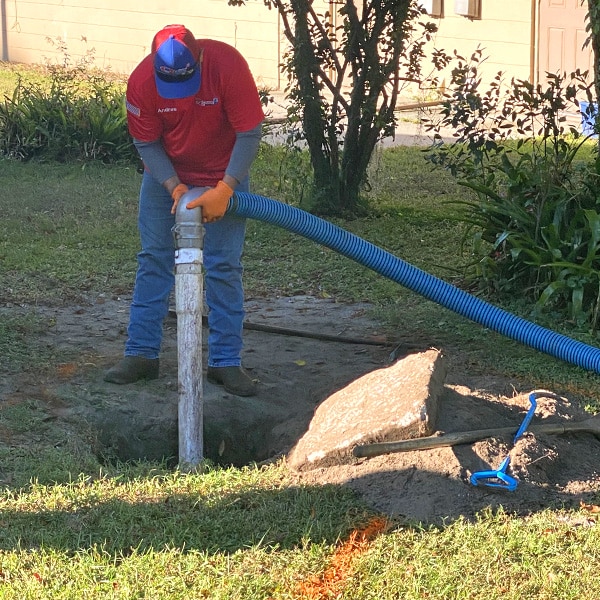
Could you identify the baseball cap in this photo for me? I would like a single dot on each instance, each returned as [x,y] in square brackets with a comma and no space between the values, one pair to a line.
[176,68]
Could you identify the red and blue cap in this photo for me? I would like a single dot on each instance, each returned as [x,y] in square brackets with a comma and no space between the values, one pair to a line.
[176,66]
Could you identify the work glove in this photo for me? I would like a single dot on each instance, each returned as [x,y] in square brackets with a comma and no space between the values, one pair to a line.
[213,202]
[178,191]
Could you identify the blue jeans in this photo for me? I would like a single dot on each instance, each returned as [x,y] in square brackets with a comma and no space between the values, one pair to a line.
[223,245]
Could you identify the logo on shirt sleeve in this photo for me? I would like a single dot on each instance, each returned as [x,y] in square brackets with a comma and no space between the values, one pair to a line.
[134,110]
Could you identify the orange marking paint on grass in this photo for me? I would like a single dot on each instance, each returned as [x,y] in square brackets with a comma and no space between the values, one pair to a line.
[67,370]
[331,583]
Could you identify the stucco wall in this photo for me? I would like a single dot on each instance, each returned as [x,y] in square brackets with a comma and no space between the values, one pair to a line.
[121,33]
[503,32]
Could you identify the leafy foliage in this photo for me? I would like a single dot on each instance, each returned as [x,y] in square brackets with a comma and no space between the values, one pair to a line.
[72,113]
[533,216]
[346,68]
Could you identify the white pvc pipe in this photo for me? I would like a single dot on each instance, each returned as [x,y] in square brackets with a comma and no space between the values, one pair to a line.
[188,235]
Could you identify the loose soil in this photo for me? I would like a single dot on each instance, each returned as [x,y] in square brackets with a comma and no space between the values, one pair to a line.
[301,350]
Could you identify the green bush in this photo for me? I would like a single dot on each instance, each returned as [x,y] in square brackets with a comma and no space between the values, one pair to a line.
[533,218]
[72,112]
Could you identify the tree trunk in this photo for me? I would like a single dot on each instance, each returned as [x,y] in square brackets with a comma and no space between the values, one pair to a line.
[307,67]
[362,53]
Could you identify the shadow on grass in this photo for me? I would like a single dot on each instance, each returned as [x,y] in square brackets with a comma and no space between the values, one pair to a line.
[277,519]
[280,518]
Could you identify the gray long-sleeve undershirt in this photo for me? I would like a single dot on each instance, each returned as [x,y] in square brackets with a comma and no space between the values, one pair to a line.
[243,154]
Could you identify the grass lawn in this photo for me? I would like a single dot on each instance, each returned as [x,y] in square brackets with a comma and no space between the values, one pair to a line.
[144,531]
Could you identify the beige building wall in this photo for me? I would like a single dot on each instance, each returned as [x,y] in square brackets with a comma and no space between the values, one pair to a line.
[121,33]
[504,33]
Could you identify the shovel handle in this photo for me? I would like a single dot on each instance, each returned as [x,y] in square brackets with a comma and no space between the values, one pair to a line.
[431,441]
[454,439]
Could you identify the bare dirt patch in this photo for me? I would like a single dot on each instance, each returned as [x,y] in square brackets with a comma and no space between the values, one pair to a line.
[326,346]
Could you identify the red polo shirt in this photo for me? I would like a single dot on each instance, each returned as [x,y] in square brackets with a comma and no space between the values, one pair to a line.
[198,132]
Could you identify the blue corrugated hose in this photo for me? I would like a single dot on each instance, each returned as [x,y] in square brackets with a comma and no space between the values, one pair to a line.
[318,230]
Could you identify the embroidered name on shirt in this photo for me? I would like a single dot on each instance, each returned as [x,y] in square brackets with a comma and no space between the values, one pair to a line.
[167,109]
[207,102]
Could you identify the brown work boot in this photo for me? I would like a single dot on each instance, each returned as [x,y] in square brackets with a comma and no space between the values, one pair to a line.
[132,368]
[234,379]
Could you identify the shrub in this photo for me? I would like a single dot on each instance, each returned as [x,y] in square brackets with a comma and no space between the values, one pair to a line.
[72,112]
[533,218]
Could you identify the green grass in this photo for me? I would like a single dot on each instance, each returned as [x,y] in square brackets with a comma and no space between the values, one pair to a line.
[251,533]
[69,231]
[9,75]
[496,557]
[57,220]
[79,529]
[14,333]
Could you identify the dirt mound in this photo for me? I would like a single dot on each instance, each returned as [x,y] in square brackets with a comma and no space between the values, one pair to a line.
[325,346]
[434,485]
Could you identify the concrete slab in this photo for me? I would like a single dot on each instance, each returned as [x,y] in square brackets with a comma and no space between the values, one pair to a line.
[395,402]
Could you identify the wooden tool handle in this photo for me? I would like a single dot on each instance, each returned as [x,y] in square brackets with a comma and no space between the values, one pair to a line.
[461,437]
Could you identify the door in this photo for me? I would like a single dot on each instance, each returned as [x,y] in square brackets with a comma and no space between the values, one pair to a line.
[561,38]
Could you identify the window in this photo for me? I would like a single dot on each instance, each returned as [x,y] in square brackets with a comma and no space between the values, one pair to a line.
[468,8]
[434,8]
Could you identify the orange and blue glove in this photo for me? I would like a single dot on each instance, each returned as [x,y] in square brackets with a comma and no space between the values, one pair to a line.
[213,202]
[178,191]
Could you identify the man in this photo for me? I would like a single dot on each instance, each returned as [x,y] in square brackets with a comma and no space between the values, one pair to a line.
[195,116]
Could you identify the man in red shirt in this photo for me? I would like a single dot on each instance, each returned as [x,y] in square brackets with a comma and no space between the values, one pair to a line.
[195,117]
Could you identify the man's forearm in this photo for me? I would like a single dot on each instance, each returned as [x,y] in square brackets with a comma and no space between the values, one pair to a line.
[243,154]
[158,163]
